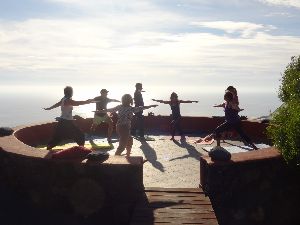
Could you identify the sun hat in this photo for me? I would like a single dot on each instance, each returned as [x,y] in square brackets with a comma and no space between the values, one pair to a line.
[103,91]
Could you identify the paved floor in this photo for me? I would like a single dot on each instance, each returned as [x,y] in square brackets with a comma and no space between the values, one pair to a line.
[170,164]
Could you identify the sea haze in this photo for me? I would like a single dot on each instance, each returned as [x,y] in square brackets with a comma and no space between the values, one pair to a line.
[21,107]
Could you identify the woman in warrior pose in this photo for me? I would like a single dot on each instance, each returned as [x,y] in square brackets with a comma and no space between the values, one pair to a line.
[176,116]
[66,128]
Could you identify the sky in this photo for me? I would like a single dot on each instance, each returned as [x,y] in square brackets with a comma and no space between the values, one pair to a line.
[182,45]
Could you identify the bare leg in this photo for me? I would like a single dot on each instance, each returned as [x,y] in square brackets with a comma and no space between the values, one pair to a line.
[129,145]
[124,135]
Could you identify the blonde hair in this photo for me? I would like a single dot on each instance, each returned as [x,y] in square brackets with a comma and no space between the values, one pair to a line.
[127,99]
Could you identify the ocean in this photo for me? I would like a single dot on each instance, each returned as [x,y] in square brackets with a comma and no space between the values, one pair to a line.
[25,106]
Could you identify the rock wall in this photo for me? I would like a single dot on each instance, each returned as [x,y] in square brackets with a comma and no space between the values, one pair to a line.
[255,188]
[42,191]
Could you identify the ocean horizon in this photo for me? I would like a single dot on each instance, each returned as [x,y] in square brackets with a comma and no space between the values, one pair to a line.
[21,107]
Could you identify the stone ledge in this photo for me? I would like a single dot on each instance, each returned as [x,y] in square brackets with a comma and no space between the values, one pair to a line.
[46,191]
[256,187]
[244,157]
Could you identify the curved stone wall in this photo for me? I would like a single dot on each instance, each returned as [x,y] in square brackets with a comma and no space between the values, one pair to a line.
[35,189]
[38,187]
[253,188]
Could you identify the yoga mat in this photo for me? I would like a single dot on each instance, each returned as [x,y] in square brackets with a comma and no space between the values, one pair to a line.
[237,149]
[193,141]
[96,144]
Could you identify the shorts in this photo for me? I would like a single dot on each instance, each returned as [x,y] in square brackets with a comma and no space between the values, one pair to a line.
[101,119]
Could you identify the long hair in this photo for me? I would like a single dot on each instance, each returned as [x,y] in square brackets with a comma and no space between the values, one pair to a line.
[228,96]
[232,89]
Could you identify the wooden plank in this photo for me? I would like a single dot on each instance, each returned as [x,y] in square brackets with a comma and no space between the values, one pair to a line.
[174,222]
[177,211]
[186,217]
[176,206]
[177,221]
[183,190]
[177,198]
[185,195]
[179,194]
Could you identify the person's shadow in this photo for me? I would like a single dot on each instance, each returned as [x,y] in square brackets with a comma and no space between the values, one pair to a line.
[151,156]
[191,150]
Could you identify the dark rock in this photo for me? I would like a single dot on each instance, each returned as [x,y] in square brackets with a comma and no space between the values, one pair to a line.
[97,156]
[218,153]
[5,131]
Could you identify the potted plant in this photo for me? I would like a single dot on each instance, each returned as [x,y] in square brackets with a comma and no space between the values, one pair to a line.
[284,128]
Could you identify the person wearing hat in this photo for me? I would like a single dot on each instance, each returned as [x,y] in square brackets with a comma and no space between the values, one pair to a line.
[138,101]
[103,117]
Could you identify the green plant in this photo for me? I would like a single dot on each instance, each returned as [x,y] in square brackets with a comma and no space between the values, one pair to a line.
[290,85]
[284,128]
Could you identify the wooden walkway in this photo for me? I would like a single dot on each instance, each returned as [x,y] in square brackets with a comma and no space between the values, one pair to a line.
[173,206]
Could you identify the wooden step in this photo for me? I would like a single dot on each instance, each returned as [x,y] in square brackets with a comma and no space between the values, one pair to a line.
[173,206]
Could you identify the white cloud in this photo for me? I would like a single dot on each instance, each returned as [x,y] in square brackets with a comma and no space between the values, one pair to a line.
[279,14]
[246,29]
[103,6]
[141,45]
[100,52]
[291,3]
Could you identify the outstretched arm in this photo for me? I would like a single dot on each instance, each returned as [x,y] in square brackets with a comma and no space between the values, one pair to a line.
[188,101]
[141,108]
[54,106]
[149,106]
[220,105]
[114,109]
[161,101]
[77,103]
[114,100]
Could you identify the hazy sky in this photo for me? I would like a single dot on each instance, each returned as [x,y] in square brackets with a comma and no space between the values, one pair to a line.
[184,44]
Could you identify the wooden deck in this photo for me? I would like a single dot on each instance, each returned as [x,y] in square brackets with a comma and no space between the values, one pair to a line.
[173,206]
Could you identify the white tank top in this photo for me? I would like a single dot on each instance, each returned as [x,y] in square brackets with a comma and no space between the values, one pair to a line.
[66,110]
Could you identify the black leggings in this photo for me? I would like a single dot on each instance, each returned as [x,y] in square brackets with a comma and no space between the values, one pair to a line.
[66,129]
[236,126]
[140,123]
[175,125]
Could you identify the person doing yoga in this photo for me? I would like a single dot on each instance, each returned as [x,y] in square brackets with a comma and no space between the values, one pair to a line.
[232,121]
